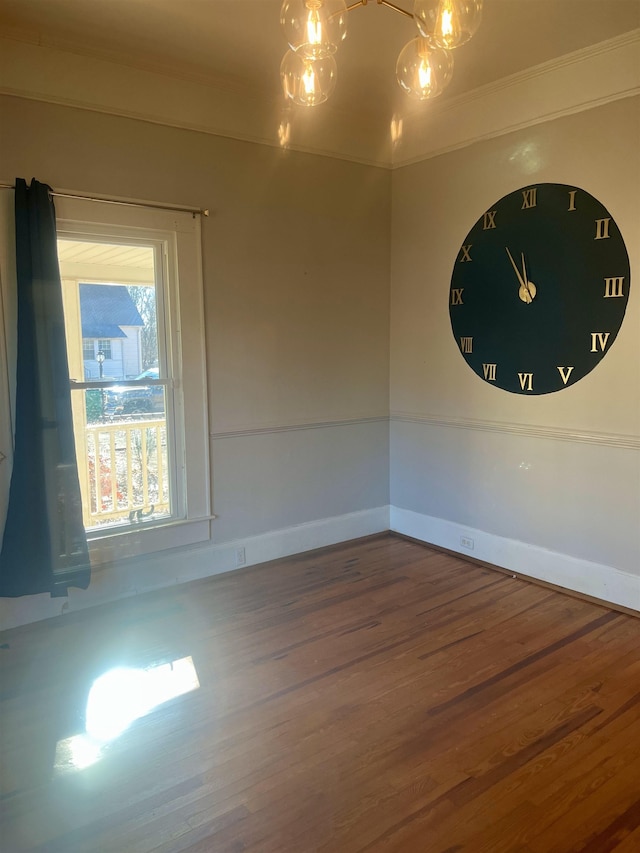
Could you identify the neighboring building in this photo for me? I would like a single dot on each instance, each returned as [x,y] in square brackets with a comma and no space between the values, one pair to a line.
[111,324]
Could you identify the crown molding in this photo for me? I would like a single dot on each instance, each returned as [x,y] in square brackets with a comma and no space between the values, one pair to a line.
[577,57]
[32,70]
[578,81]
[128,60]
[53,71]
[604,439]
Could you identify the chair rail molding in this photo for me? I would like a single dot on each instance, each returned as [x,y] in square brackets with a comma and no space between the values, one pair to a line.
[607,439]
[294,426]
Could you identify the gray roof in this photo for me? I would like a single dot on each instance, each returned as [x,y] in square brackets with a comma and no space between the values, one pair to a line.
[104,308]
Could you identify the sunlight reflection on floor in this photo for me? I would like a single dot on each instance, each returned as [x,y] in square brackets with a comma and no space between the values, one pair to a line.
[118,698]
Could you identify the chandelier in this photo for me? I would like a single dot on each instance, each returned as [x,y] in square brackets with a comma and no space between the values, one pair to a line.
[314,30]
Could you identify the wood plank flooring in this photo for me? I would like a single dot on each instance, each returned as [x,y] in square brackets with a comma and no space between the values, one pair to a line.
[374,696]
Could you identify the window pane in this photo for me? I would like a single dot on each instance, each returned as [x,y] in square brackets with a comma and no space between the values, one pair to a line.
[122,430]
[104,346]
[123,463]
[88,349]
[144,299]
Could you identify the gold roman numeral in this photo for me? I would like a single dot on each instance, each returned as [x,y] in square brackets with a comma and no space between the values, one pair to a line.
[529,198]
[489,220]
[572,199]
[613,286]
[466,256]
[466,344]
[489,372]
[599,339]
[602,229]
[456,295]
[526,381]
[565,373]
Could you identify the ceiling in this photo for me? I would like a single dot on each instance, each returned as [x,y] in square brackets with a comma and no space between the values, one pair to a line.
[109,263]
[238,44]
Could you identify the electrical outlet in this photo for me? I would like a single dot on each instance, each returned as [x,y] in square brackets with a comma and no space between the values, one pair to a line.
[466,542]
[241,557]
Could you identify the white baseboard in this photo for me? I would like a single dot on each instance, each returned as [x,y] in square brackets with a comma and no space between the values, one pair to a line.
[170,568]
[594,579]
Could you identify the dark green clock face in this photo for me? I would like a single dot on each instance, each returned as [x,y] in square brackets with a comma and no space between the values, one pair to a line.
[539,289]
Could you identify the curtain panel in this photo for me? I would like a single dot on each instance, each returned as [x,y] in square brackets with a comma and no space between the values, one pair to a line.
[44,548]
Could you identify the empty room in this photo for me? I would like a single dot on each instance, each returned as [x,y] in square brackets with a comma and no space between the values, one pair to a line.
[319,426]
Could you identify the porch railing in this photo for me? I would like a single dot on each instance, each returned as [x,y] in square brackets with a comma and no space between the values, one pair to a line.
[127,471]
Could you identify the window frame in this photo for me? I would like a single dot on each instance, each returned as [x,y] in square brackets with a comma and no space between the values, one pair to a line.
[176,237]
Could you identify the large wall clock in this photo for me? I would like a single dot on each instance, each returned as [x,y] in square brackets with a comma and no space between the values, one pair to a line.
[539,289]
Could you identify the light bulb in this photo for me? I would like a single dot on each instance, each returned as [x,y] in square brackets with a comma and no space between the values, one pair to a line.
[423,71]
[306,81]
[447,23]
[314,28]
[424,74]
[309,82]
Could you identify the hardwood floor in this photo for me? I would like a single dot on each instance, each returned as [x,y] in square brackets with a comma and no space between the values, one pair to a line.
[374,696]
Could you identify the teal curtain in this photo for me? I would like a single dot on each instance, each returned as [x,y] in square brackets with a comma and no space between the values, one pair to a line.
[44,547]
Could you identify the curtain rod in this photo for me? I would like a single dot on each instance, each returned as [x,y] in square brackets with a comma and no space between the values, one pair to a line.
[194,210]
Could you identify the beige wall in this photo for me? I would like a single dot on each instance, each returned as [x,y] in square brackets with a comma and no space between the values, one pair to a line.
[301,256]
[296,279]
[529,476]
[296,253]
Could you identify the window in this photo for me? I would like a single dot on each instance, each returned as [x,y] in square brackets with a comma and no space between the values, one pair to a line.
[131,282]
[88,349]
[104,347]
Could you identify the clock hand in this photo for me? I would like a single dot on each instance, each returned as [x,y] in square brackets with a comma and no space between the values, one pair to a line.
[525,292]
[517,271]
[524,271]
[529,285]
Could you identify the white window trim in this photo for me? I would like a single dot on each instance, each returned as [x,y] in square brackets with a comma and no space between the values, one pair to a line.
[182,233]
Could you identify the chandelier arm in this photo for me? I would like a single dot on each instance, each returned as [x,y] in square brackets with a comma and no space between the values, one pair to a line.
[395,8]
[386,3]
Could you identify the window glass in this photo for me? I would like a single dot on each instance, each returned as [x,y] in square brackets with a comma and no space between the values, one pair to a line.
[104,345]
[88,350]
[123,425]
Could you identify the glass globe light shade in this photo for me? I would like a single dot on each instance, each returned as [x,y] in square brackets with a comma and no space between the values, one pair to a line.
[423,71]
[306,81]
[447,23]
[314,27]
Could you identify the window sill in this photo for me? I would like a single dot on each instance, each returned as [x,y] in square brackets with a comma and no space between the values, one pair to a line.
[143,541]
